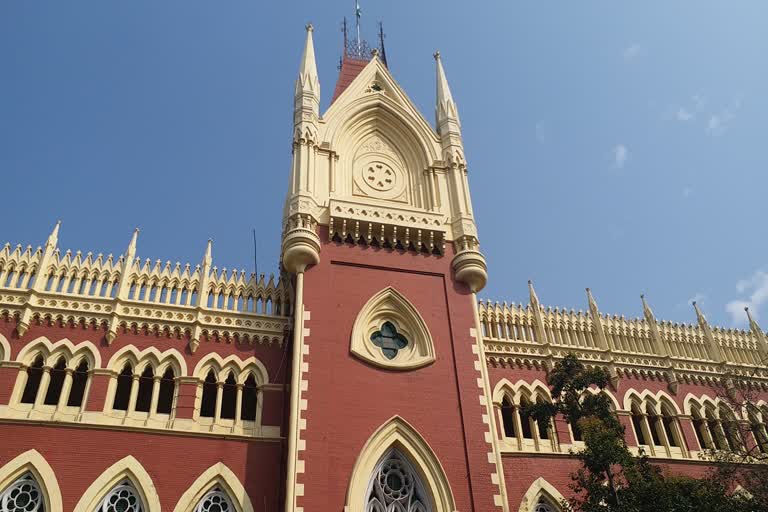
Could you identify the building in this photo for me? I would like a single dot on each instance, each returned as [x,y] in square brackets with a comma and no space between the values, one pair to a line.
[368,377]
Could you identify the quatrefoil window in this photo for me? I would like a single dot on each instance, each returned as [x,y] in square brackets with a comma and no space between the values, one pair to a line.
[389,340]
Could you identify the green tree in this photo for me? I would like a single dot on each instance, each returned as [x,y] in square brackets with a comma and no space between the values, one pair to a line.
[611,478]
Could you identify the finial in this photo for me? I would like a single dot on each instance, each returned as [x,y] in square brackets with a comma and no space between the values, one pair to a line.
[591,300]
[207,259]
[53,238]
[436,55]
[375,52]
[131,251]
[533,297]
[309,27]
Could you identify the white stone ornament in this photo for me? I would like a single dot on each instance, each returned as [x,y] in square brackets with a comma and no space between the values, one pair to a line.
[23,495]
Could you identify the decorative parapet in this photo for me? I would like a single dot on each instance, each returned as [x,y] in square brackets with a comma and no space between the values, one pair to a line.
[126,293]
[524,335]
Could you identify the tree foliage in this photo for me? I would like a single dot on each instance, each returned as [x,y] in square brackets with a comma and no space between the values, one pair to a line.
[611,478]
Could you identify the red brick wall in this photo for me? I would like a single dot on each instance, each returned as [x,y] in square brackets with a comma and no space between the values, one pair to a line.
[79,455]
[349,399]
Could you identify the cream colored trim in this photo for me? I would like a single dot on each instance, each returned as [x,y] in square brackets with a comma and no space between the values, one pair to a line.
[488,417]
[538,488]
[218,474]
[129,468]
[139,359]
[389,305]
[521,388]
[36,464]
[397,433]
[5,349]
[299,384]
[51,351]
[240,367]
[649,397]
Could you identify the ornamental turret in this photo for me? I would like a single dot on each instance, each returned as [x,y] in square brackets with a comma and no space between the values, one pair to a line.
[469,263]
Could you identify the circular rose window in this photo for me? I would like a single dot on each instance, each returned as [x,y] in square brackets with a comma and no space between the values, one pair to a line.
[380,176]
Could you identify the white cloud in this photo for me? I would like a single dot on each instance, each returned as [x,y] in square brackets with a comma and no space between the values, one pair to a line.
[683,115]
[620,155]
[715,125]
[718,123]
[756,289]
[632,51]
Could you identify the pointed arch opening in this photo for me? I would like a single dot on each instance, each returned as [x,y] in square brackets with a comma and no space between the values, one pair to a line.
[389,332]
[125,486]
[541,497]
[217,486]
[397,470]
[28,483]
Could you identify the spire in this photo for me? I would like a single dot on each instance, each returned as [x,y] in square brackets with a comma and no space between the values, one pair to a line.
[752,324]
[446,114]
[647,311]
[699,315]
[308,79]
[53,238]
[534,298]
[131,251]
[592,303]
[208,257]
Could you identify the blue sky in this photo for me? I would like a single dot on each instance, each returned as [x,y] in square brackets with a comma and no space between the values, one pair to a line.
[615,145]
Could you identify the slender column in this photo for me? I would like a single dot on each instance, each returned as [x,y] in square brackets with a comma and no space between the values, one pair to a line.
[677,431]
[238,406]
[134,393]
[663,435]
[645,426]
[297,354]
[65,389]
[42,390]
[155,395]
[219,396]
[518,428]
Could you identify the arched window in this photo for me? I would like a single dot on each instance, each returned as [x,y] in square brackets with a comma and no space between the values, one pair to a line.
[144,396]
[730,429]
[669,423]
[34,375]
[123,392]
[637,424]
[543,426]
[79,382]
[508,417]
[122,498]
[544,506]
[250,399]
[700,427]
[167,391]
[58,373]
[715,430]
[229,398]
[525,419]
[215,500]
[395,486]
[23,495]
[208,405]
[758,431]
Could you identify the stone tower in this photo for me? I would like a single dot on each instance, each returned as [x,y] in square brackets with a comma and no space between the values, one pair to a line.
[388,387]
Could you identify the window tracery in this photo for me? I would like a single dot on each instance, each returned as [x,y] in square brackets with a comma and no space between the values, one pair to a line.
[230,394]
[396,487]
[122,498]
[23,495]
[216,500]
[519,429]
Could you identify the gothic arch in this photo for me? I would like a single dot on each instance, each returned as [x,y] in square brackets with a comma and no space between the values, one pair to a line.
[540,488]
[397,433]
[52,351]
[5,349]
[218,474]
[33,462]
[531,390]
[140,358]
[240,367]
[126,468]
[391,306]
[649,397]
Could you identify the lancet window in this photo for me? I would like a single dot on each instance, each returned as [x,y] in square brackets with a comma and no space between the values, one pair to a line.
[656,427]
[23,495]
[122,498]
[519,429]
[229,397]
[56,386]
[759,430]
[149,391]
[717,427]
[215,500]
[396,487]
